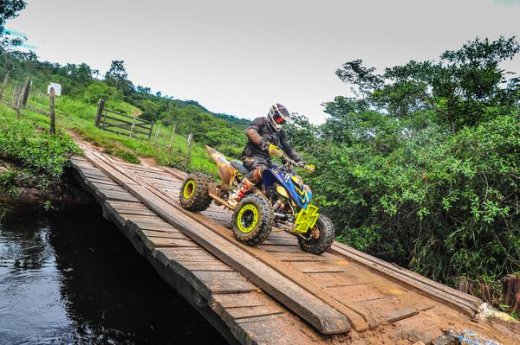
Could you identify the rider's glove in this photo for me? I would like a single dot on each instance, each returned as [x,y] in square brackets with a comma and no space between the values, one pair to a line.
[300,163]
[264,144]
[275,150]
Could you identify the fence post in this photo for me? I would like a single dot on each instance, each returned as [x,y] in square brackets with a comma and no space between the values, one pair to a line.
[157,134]
[26,91]
[188,153]
[101,106]
[511,290]
[53,114]
[465,285]
[150,131]
[15,92]
[17,103]
[171,140]
[4,84]
[132,128]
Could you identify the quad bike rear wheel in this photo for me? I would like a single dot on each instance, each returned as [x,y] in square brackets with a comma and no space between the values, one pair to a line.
[253,219]
[194,195]
[319,239]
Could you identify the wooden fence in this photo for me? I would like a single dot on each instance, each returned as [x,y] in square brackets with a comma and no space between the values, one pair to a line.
[113,121]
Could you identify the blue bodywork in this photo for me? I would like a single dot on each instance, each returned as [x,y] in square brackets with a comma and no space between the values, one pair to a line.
[301,194]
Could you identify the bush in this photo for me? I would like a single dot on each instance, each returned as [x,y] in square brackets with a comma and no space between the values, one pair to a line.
[24,142]
[445,205]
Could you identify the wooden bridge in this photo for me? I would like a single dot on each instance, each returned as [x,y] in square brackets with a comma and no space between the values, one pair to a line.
[273,293]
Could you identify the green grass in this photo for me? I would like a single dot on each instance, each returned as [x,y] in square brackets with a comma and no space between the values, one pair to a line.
[78,116]
[40,157]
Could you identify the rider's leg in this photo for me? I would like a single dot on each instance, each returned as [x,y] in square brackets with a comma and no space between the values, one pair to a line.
[256,165]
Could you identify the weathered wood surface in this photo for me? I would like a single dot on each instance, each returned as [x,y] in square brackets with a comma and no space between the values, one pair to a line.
[210,277]
[373,295]
[325,317]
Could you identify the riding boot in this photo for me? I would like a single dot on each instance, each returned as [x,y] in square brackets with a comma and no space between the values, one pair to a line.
[244,187]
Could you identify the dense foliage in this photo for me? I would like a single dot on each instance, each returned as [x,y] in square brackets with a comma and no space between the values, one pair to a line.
[41,156]
[422,165]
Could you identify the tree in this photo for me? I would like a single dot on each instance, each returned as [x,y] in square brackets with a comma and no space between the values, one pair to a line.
[117,77]
[364,79]
[9,9]
[421,167]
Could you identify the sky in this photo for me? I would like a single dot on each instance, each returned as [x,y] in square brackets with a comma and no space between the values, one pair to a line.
[239,56]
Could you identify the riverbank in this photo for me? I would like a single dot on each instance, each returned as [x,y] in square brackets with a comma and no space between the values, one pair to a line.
[19,188]
[33,163]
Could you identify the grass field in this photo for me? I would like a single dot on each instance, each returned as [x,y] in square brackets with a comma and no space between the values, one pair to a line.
[79,117]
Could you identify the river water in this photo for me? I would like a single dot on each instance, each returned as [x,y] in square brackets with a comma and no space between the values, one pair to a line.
[72,278]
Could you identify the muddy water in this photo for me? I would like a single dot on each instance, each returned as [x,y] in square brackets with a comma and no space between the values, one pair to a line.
[72,278]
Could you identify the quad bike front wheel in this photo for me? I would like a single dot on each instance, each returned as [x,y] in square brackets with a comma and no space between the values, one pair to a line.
[194,195]
[319,238]
[253,219]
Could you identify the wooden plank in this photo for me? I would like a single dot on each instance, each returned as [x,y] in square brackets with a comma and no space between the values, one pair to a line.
[160,177]
[153,218]
[392,309]
[121,196]
[181,175]
[164,233]
[110,188]
[104,182]
[214,266]
[272,329]
[280,248]
[185,254]
[302,257]
[318,267]
[94,173]
[251,299]
[356,293]
[248,312]
[463,302]
[140,168]
[337,279]
[132,212]
[154,226]
[128,205]
[225,282]
[161,242]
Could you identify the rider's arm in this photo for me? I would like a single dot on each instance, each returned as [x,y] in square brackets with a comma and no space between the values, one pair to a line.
[252,132]
[287,148]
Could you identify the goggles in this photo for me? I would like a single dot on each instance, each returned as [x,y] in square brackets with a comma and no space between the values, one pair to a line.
[278,119]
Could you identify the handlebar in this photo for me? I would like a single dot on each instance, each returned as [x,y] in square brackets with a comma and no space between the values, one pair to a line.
[276,151]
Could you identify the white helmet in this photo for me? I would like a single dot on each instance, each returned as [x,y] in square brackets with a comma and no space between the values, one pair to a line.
[278,115]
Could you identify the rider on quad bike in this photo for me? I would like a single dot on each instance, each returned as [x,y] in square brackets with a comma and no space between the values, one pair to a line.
[262,132]
[265,193]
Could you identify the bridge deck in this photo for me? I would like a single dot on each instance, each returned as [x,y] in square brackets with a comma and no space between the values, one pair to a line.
[274,293]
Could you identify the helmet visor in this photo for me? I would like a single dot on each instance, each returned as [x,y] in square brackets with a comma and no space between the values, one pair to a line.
[278,119]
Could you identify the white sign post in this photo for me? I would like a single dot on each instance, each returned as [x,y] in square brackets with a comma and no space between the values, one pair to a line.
[53,90]
[56,87]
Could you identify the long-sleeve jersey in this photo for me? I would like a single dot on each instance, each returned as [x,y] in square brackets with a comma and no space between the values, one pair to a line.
[264,131]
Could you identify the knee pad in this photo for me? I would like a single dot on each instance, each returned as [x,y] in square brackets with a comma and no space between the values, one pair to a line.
[255,175]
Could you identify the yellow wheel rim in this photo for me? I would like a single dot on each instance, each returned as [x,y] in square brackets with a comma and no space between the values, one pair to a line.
[189,189]
[247,218]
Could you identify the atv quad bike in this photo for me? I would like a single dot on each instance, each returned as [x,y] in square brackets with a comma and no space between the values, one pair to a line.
[281,198]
